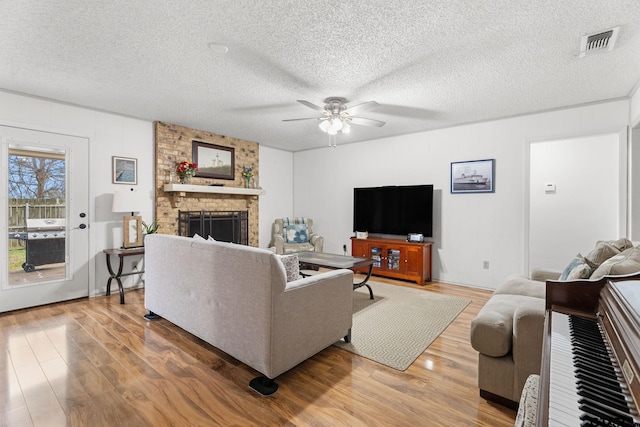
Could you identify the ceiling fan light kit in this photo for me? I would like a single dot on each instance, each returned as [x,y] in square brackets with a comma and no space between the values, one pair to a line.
[337,116]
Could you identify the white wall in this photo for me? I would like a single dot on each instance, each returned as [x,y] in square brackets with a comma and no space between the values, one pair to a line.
[634,154]
[468,228]
[109,135]
[584,207]
[276,179]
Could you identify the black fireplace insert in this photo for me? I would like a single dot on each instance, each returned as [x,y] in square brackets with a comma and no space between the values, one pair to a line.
[225,226]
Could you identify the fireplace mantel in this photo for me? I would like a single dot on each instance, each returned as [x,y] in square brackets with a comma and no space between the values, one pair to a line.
[188,188]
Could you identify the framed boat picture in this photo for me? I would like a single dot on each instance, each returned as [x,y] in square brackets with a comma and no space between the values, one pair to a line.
[473,176]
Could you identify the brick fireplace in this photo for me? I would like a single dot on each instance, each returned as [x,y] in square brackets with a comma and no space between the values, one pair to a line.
[173,145]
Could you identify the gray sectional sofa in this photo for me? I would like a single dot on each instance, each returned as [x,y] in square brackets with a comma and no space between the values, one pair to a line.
[238,299]
[508,330]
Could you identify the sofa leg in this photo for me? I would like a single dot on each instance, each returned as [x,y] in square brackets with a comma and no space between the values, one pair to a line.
[347,338]
[263,385]
[151,316]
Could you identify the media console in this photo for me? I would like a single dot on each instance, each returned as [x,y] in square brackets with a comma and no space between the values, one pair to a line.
[397,259]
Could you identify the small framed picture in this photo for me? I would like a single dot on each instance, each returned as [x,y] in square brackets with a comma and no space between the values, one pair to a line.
[214,161]
[125,170]
[474,176]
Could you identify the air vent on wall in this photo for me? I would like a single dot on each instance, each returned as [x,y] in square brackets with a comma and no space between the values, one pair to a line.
[598,42]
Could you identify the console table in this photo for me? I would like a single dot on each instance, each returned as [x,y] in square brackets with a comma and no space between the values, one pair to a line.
[121,254]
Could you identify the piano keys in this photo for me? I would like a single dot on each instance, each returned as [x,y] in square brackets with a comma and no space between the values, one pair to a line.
[591,354]
[586,382]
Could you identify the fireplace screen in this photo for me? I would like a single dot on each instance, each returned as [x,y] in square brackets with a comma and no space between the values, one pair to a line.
[225,226]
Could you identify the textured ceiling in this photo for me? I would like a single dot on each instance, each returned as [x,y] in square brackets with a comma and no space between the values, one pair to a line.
[429,64]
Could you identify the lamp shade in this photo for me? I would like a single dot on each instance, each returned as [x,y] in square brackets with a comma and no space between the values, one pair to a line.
[127,201]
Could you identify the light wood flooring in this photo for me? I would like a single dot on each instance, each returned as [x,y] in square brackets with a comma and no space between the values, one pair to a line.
[94,362]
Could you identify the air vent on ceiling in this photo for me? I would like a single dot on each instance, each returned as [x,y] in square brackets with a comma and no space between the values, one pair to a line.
[598,42]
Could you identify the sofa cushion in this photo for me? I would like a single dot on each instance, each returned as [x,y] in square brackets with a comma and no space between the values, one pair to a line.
[577,269]
[602,252]
[625,263]
[492,329]
[291,266]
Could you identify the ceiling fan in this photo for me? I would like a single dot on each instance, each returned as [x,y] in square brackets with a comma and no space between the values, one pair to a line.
[337,116]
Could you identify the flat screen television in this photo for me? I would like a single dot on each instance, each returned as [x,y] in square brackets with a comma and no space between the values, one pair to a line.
[396,210]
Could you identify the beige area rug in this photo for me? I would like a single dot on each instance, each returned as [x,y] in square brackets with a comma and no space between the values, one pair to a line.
[399,324]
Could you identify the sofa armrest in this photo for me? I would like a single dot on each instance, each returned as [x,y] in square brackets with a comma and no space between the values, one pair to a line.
[528,332]
[542,275]
[309,315]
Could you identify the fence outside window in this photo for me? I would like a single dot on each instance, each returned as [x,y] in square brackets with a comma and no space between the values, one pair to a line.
[21,209]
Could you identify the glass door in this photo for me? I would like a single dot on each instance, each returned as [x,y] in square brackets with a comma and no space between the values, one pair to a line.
[393,259]
[45,195]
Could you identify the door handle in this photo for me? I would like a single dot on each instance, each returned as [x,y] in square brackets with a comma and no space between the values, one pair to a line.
[81,227]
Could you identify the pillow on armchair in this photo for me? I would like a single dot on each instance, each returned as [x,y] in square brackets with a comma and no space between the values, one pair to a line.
[296,233]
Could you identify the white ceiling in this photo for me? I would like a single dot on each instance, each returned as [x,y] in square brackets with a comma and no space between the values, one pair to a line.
[430,64]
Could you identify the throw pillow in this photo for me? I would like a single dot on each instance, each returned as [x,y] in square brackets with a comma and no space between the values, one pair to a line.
[602,252]
[291,266]
[622,244]
[196,236]
[296,233]
[625,263]
[577,269]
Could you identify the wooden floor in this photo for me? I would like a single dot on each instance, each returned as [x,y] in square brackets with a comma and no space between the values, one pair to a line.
[94,362]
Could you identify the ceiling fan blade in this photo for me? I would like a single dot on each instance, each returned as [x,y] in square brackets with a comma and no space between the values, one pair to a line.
[311,105]
[366,122]
[306,118]
[365,106]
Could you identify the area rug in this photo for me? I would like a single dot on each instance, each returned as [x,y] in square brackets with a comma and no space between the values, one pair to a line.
[399,324]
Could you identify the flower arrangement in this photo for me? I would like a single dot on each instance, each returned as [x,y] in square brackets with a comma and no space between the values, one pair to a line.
[186,170]
[247,173]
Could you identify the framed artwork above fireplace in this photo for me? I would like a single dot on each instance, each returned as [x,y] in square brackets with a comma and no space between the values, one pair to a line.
[214,161]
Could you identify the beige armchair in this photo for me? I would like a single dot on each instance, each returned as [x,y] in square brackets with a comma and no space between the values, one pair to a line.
[290,235]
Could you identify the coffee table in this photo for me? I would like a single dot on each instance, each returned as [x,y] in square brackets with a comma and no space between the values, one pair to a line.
[334,261]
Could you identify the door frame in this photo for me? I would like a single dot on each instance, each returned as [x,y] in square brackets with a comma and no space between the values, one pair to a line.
[91,196]
[623,182]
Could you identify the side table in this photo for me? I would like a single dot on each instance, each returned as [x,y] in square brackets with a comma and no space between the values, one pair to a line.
[121,254]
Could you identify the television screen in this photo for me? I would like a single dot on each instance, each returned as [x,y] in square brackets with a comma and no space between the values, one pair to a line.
[396,210]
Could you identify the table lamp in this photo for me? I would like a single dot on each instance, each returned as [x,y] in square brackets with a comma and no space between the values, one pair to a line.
[129,201]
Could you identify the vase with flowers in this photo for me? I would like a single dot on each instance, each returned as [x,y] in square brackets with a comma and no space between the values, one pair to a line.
[247,173]
[185,171]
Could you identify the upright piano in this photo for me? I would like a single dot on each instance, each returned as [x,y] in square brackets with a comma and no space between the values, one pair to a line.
[591,353]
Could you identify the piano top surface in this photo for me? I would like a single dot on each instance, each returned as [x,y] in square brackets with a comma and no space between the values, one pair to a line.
[630,291]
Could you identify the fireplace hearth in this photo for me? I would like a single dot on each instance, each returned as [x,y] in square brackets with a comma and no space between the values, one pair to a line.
[225,226]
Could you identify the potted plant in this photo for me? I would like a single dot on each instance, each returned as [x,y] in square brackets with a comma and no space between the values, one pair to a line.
[151,228]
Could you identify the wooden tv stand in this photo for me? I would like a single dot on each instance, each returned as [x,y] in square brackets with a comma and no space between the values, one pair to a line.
[397,259]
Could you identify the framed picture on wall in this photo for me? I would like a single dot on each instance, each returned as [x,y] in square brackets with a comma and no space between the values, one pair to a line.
[474,176]
[214,161]
[125,170]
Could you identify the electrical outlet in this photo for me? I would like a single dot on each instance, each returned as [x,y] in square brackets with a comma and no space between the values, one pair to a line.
[485,265]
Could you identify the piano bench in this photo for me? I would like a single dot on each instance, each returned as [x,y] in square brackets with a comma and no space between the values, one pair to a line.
[528,403]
